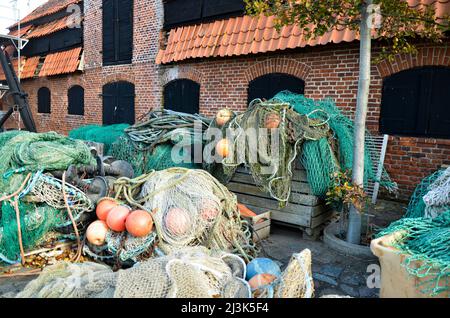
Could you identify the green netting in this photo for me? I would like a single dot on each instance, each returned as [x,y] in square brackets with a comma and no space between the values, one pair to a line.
[102,134]
[416,206]
[144,160]
[342,127]
[427,242]
[40,203]
[35,221]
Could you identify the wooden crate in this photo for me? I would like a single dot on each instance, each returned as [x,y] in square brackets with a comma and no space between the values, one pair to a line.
[303,210]
[260,226]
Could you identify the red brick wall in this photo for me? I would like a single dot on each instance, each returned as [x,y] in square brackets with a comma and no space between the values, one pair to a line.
[328,71]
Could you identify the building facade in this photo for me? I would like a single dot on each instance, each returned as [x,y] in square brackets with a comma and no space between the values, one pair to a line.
[211,57]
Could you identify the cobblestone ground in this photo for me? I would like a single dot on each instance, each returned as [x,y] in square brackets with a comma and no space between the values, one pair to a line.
[334,274]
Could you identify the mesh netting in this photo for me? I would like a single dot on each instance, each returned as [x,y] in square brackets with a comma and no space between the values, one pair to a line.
[102,134]
[269,153]
[342,128]
[437,199]
[426,242]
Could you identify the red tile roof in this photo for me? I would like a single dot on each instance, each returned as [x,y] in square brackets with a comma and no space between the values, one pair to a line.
[30,66]
[250,35]
[48,8]
[61,62]
[15,64]
[49,28]
[23,31]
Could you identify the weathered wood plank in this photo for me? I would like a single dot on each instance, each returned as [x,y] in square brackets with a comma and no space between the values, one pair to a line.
[322,218]
[299,174]
[300,198]
[296,186]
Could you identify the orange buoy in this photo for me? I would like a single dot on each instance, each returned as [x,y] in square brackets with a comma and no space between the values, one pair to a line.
[139,223]
[272,120]
[223,148]
[117,217]
[96,232]
[223,116]
[260,280]
[178,221]
[208,210]
[104,206]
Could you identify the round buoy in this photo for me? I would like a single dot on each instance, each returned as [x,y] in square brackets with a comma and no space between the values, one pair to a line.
[139,223]
[272,120]
[262,266]
[104,206]
[223,116]
[178,221]
[96,232]
[260,280]
[116,218]
[208,210]
[223,148]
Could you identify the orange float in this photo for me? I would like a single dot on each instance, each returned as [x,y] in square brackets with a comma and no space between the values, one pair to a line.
[96,232]
[223,116]
[272,121]
[104,206]
[139,223]
[117,217]
[223,148]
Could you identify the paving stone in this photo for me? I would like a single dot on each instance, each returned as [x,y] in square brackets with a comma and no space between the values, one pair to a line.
[325,279]
[332,293]
[353,279]
[349,290]
[366,292]
[331,270]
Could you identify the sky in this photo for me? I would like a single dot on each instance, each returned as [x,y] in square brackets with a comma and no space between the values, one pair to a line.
[7,15]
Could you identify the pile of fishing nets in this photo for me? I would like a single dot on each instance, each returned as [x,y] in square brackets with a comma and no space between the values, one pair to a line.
[191,272]
[33,202]
[266,138]
[323,156]
[189,208]
[164,140]
[426,242]
[431,196]
[106,135]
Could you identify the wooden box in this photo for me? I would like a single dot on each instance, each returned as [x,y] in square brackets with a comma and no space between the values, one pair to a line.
[303,209]
[260,226]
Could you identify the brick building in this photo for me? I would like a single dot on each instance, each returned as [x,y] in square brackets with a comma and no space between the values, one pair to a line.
[152,54]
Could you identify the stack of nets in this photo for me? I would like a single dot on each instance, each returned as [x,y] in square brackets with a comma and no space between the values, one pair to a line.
[431,196]
[187,273]
[102,134]
[166,139]
[189,208]
[32,200]
[323,156]
[269,153]
[426,242]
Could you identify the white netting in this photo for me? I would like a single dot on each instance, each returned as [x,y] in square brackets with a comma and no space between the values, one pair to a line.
[192,208]
[437,199]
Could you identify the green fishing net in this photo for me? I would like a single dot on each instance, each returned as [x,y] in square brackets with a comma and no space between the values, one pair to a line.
[427,243]
[416,206]
[313,151]
[102,134]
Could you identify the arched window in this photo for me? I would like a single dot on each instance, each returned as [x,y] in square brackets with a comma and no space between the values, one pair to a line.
[415,103]
[44,100]
[75,97]
[118,103]
[182,95]
[117,31]
[267,86]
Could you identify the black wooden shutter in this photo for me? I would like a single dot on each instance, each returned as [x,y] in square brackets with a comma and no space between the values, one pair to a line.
[75,98]
[108,31]
[267,86]
[182,96]
[222,7]
[439,110]
[44,100]
[124,45]
[118,103]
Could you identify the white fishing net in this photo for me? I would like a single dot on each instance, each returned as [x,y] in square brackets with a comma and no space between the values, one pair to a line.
[437,199]
[191,208]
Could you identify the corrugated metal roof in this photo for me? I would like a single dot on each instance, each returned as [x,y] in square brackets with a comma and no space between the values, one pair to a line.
[48,8]
[30,66]
[61,62]
[49,28]
[250,35]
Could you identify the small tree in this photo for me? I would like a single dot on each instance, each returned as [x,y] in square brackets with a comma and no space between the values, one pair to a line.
[393,22]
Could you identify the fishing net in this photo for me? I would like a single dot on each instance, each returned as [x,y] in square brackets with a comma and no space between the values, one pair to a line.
[416,206]
[72,280]
[102,134]
[190,208]
[187,273]
[166,139]
[341,145]
[269,153]
[426,242]
[437,199]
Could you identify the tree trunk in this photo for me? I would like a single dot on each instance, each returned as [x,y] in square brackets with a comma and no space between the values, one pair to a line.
[354,226]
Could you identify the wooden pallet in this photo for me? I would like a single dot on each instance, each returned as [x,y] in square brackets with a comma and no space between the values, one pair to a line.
[260,225]
[303,210]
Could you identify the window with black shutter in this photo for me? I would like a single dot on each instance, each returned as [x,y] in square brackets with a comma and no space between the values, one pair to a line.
[182,12]
[415,102]
[117,31]
[75,97]
[44,100]
[118,103]
[182,95]
[267,86]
